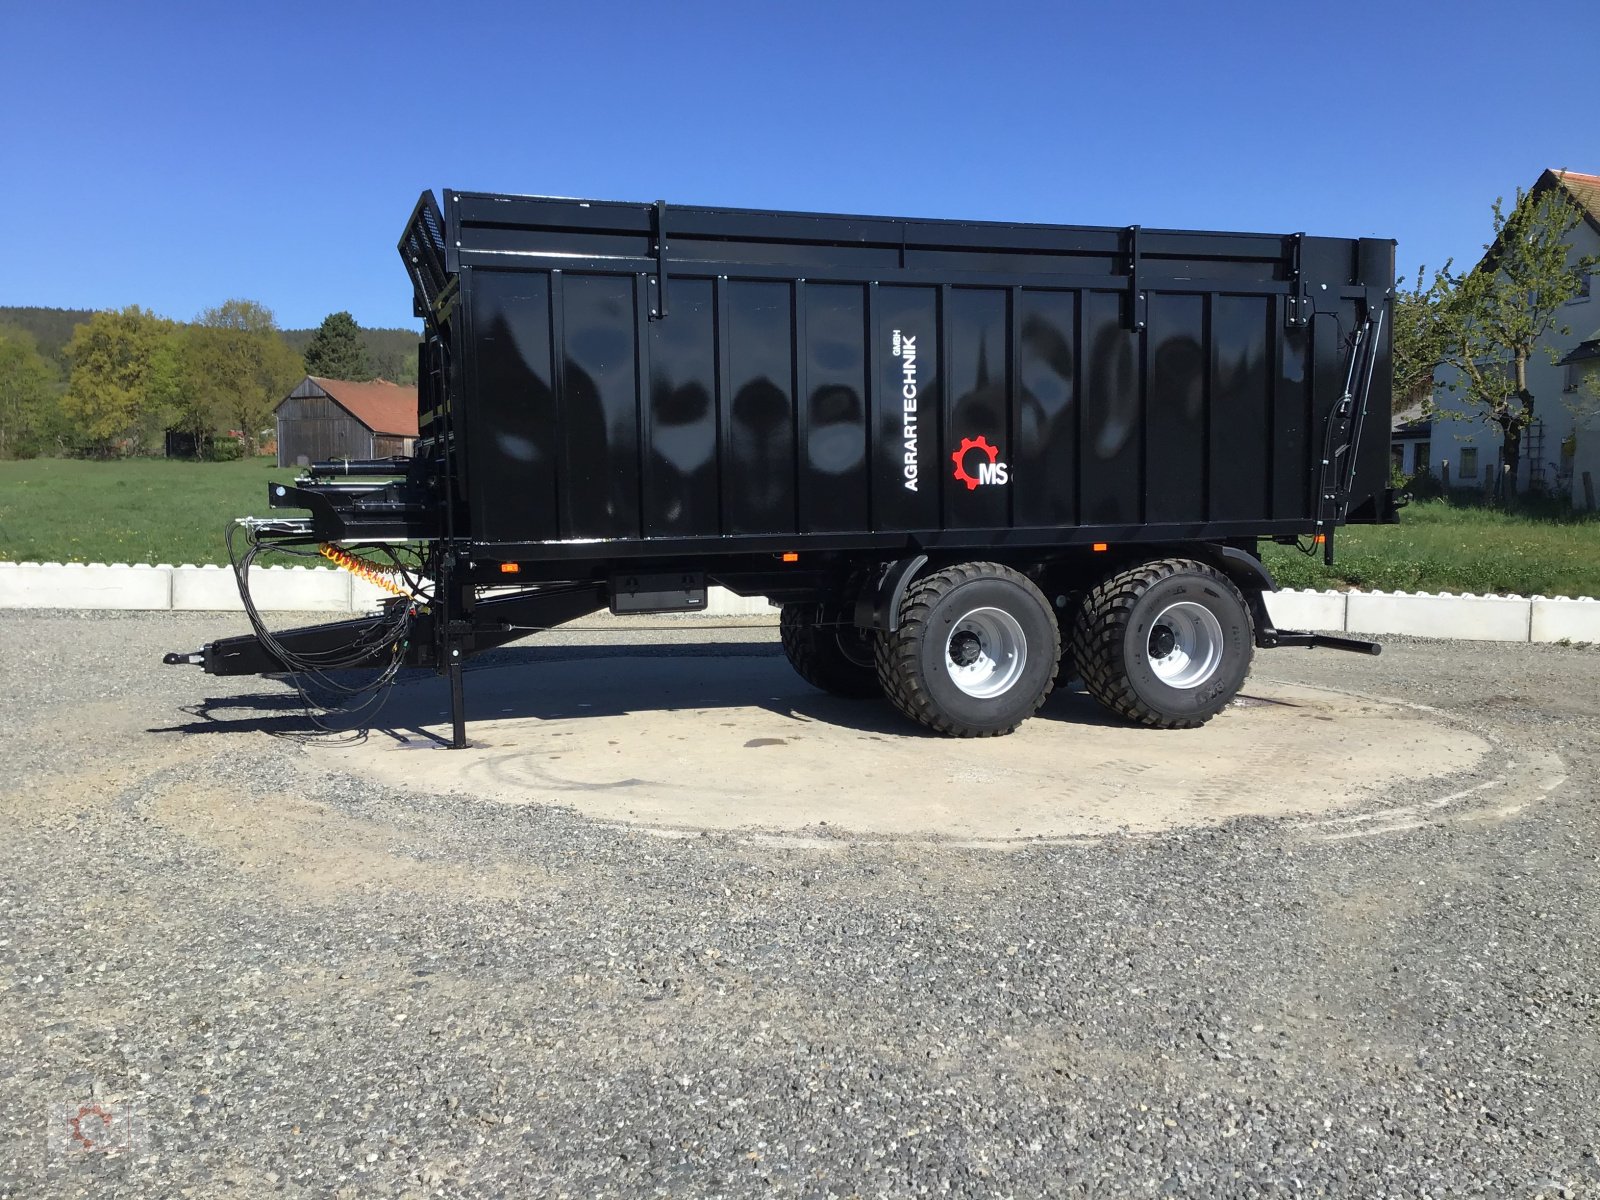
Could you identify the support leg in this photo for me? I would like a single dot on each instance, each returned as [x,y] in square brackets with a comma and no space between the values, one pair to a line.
[458,702]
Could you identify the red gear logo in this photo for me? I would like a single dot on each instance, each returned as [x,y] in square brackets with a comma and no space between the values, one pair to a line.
[959,458]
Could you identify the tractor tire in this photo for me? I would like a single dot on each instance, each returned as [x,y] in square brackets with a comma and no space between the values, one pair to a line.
[1166,644]
[828,651]
[975,653]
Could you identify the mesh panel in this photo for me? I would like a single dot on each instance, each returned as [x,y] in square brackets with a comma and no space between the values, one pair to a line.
[422,251]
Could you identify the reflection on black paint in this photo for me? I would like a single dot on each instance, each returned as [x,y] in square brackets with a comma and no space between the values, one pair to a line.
[1109,457]
[600,406]
[1176,409]
[1046,449]
[834,491]
[514,434]
[979,398]
[758,478]
[1240,406]
[681,466]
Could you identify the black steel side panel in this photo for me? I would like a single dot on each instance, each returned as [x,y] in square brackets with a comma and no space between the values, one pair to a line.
[882,382]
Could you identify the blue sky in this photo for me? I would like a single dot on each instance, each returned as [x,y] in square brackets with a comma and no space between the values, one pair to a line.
[175,155]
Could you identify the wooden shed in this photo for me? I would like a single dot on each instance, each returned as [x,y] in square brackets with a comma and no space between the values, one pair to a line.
[333,418]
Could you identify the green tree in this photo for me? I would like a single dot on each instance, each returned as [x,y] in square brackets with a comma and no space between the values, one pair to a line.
[114,397]
[237,367]
[1497,314]
[336,350]
[1421,337]
[28,388]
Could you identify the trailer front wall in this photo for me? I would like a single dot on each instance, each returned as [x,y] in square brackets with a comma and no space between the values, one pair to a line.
[762,407]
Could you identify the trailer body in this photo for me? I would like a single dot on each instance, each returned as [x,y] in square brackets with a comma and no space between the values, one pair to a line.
[629,402]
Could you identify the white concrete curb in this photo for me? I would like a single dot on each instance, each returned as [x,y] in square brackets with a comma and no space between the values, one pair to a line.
[310,589]
[1421,614]
[189,588]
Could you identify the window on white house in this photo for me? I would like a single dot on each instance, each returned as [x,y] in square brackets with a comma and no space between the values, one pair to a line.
[1469,462]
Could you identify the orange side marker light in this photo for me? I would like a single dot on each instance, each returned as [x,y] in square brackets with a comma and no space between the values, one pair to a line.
[1101,547]
[510,568]
[791,556]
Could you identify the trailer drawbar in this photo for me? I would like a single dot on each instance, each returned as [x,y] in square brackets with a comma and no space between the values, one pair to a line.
[968,459]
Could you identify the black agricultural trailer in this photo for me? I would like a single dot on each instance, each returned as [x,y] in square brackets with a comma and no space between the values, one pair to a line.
[967,458]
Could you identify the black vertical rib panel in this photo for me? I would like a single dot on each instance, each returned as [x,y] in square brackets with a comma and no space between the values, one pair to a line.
[1013,392]
[758,478]
[874,384]
[681,465]
[799,389]
[720,401]
[1241,403]
[641,387]
[1110,450]
[601,401]
[1291,440]
[833,456]
[1175,408]
[1045,452]
[558,335]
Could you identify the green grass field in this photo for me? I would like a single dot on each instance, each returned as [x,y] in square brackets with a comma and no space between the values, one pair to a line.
[1440,547]
[149,510]
[157,510]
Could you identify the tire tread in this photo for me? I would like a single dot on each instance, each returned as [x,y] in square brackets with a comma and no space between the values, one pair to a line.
[1099,631]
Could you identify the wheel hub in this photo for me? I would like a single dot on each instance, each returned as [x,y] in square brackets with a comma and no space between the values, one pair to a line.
[1185,645]
[965,648]
[986,652]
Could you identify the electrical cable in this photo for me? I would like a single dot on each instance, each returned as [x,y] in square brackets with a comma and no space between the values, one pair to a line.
[310,668]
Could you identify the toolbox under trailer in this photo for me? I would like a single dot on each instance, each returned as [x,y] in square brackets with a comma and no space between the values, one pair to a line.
[964,457]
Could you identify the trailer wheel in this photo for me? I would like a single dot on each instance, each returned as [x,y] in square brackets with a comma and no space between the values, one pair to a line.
[827,650]
[975,653]
[1166,644]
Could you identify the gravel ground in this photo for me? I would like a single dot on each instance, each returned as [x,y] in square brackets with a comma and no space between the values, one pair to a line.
[308,985]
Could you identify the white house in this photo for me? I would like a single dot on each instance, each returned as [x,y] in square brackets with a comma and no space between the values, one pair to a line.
[1562,443]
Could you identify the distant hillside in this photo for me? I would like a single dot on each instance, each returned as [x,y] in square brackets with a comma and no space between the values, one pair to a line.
[392,352]
[51,327]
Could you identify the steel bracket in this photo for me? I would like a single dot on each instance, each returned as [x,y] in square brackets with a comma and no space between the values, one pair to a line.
[658,302]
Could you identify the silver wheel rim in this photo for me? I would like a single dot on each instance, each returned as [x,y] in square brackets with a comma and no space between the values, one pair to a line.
[1185,644]
[985,653]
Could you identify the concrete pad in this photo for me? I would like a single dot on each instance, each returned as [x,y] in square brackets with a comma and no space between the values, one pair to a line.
[1469,618]
[739,743]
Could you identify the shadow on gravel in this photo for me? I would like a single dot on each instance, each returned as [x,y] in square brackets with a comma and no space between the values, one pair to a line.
[554,683]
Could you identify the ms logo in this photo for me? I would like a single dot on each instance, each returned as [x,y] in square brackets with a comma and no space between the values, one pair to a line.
[979,454]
